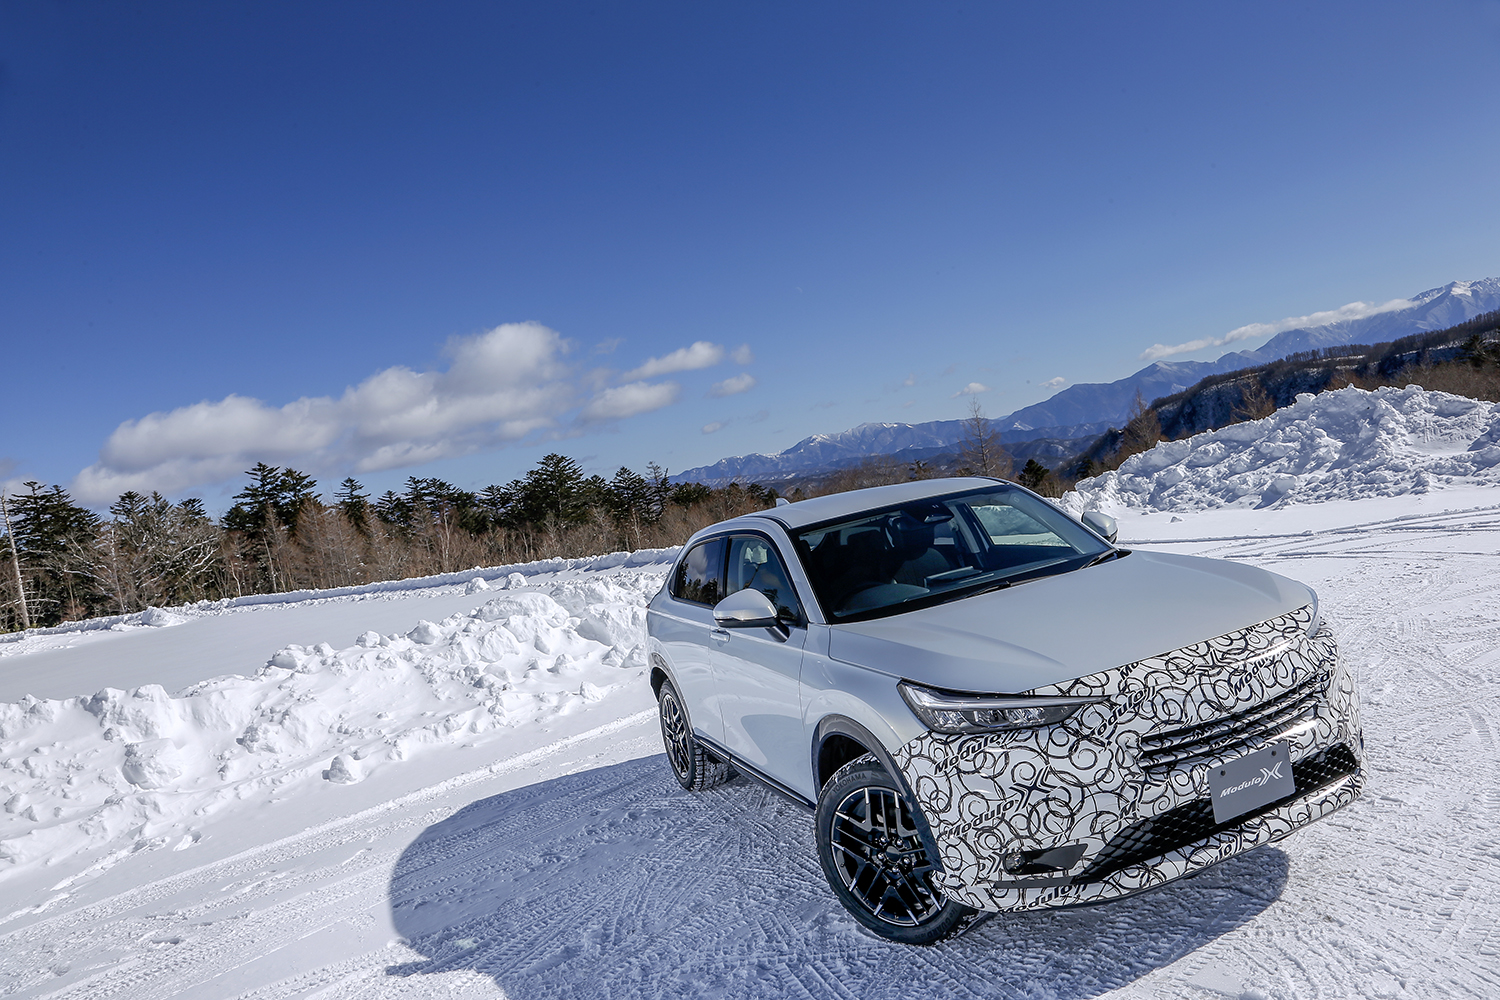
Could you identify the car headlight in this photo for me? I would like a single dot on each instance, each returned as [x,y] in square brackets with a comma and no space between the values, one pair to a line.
[983,713]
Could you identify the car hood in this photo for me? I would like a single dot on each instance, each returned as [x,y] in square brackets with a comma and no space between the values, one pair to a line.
[1063,627]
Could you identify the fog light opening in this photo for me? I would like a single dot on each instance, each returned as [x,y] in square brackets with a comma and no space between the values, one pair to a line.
[1049,862]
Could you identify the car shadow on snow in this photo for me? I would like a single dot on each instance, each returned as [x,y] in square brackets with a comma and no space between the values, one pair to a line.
[615,882]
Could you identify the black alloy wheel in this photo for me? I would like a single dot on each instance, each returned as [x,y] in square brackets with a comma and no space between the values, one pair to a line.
[875,861]
[694,767]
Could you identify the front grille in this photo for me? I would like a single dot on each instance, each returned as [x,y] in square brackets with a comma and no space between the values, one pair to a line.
[1265,721]
[1188,824]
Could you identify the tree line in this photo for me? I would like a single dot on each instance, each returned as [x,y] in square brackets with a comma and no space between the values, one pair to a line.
[280,534]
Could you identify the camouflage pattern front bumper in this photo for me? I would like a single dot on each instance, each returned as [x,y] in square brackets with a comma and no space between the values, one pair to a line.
[1126,780]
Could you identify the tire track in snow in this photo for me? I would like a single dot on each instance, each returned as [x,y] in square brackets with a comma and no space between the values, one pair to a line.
[1397,896]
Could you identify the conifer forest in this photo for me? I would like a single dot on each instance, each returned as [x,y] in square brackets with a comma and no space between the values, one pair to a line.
[280,535]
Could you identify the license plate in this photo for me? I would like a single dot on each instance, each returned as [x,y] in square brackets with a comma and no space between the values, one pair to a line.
[1249,782]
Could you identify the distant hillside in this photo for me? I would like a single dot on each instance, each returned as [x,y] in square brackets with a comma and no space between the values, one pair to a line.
[1094,403]
[1463,359]
[1078,414]
[1110,402]
[905,443]
[1432,310]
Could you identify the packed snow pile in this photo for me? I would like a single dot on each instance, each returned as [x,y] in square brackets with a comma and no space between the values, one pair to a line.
[127,770]
[469,581]
[1343,445]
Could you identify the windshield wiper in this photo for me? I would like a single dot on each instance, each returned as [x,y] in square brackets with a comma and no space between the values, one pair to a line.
[1106,557]
[997,585]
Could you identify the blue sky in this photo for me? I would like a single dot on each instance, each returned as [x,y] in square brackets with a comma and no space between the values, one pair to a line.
[443,239]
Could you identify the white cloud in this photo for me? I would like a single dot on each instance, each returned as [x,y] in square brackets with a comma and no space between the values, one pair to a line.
[500,386]
[630,400]
[972,389]
[717,425]
[9,484]
[733,385]
[1055,383]
[1354,310]
[699,355]
[742,355]
[910,380]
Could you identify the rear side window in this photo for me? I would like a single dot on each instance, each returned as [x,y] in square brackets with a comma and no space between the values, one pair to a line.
[700,574]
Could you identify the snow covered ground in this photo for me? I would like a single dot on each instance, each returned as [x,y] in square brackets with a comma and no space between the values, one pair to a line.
[440,793]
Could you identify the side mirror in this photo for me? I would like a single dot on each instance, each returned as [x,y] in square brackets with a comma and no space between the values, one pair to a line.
[745,609]
[1103,525]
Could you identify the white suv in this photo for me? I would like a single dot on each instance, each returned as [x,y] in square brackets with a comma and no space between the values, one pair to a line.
[989,706]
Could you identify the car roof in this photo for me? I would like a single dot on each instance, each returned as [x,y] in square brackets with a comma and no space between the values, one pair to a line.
[836,506]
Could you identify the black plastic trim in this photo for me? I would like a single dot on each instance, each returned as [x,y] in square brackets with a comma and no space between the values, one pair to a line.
[751,771]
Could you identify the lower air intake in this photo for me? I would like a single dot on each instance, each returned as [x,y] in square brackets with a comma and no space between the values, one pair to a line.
[1151,838]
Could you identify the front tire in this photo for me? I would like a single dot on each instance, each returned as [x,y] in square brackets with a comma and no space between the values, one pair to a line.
[875,861]
[694,767]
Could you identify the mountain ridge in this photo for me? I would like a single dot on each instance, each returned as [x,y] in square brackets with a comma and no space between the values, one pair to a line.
[1087,409]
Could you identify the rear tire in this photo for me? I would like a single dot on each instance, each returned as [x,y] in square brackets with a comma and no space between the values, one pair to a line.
[876,863]
[693,766]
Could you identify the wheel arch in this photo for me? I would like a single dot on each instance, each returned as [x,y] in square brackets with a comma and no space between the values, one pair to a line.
[835,742]
[661,672]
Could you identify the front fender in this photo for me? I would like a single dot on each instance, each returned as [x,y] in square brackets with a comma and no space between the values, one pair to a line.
[841,699]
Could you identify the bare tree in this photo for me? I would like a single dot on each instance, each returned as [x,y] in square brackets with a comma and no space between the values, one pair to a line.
[1255,402]
[1141,432]
[15,563]
[982,453]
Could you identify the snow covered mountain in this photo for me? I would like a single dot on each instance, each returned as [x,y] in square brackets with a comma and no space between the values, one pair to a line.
[1107,404]
[1434,309]
[1090,408]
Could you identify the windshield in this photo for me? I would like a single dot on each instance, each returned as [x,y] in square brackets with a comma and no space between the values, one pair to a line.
[941,549]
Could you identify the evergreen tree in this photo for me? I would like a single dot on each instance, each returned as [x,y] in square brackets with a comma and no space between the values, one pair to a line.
[1033,475]
[192,509]
[354,503]
[393,510]
[276,497]
[691,494]
[658,491]
[498,502]
[628,496]
[296,492]
[53,537]
[593,494]
[553,491]
[266,513]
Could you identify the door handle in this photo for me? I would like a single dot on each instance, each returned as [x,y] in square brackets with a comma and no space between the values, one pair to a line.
[721,634]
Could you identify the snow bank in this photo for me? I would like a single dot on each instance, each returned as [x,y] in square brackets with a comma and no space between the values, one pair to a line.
[137,769]
[472,580]
[1344,445]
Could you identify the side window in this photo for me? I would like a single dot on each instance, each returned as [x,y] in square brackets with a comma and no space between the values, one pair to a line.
[753,563]
[699,576]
